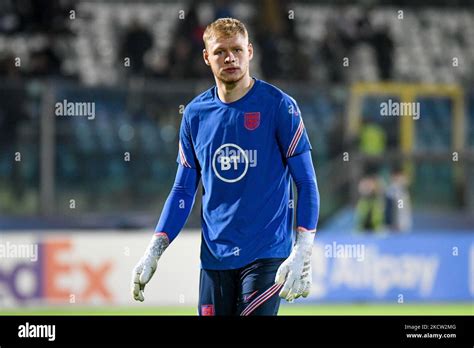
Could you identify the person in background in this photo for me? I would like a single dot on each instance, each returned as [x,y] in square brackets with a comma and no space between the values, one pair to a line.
[398,217]
[370,206]
[373,139]
[136,42]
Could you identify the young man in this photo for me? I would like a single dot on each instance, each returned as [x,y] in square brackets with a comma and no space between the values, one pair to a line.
[244,138]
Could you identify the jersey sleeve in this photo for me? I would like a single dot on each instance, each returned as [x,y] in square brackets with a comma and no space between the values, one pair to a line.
[180,202]
[291,132]
[186,154]
[303,174]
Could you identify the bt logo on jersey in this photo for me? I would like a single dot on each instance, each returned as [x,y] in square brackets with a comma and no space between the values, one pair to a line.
[226,162]
[230,162]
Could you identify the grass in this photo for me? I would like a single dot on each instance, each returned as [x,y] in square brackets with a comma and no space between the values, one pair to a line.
[286,309]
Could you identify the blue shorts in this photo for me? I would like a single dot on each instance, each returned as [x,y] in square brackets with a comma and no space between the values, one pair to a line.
[250,290]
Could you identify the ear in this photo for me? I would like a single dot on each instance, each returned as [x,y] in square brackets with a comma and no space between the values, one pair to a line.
[205,56]
[250,48]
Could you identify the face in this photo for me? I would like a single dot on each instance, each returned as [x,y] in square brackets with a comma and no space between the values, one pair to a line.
[400,178]
[229,57]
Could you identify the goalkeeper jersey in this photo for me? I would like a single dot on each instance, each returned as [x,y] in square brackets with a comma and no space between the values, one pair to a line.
[240,150]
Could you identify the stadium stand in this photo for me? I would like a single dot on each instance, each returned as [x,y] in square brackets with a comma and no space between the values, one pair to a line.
[135,113]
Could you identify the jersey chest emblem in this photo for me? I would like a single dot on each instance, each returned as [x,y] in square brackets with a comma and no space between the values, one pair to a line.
[252,120]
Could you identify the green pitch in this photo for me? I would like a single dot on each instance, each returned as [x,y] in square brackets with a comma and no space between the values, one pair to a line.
[287,309]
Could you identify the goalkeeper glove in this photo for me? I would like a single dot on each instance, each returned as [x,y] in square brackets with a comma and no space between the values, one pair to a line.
[146,267]
[295,272]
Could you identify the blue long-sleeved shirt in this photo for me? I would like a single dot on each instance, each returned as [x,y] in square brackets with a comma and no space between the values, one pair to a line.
[245,153]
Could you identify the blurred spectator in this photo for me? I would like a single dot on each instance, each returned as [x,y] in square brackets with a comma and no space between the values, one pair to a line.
[185,57]
[370,205]
[398,217]
[344,35]
[280,47]
[45,62]
[335,46]
[384,51]
[43,16]
[136,42]
[379,38]
[372,139]
[191,26]
[372,144]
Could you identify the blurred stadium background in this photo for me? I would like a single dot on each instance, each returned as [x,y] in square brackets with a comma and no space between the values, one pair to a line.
[88,191]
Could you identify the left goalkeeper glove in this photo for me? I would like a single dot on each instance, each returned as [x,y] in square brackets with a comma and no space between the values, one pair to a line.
[295,271]
[146,267]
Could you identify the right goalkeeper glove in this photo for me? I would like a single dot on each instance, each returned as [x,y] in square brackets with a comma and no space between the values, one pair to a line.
[295,272]
[146,267]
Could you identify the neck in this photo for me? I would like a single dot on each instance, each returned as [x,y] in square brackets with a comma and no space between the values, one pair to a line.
[230,92]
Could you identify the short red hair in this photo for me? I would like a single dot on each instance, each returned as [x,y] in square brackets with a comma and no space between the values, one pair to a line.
[224,27]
